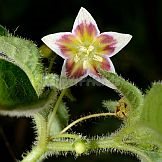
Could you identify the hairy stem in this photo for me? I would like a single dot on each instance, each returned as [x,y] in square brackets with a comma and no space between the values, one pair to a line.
[51,63]
[97,144]
[72,136]
[85,118]
[60,146]
[55,110]
[41,146]
[115,144]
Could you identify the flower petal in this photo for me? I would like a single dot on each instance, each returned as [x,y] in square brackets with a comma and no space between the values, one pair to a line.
[85,24]
[105,65]
[112,42]
[62,43]
[105,44]
[71,73]
[73,70]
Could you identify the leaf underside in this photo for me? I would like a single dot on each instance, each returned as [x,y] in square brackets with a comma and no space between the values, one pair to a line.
[15,87]
[24,54]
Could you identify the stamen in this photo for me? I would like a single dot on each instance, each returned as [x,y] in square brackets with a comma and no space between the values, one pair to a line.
[90,48]
[85,64]
[85,55]
[97,58]
[76,58]
[82,49]
[86,50]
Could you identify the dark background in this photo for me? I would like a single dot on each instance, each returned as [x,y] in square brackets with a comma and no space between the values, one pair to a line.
[140,61]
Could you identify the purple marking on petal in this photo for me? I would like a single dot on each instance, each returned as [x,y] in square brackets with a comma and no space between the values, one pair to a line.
[65,50]
[94,70]
[73,70]
[105,65]
[107,39]
[106,44]
[92,29]
[65,39]
[108,49]
[64,44]
[80,29]
[86,29]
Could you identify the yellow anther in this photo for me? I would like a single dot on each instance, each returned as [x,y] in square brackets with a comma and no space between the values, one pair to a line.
[86,50]
[76,58]
[97,58]
[90,48]
[85,64]
[82,49]
[85,55]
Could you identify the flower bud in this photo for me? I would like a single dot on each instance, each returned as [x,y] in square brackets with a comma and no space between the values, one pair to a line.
[80,147]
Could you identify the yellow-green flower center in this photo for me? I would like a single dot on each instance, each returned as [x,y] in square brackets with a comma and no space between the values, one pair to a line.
[86,55]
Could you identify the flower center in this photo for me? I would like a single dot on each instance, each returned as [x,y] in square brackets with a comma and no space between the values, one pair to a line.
[86,55]
[85,50]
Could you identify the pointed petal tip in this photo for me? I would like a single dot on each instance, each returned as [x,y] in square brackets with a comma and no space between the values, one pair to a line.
[121,40]
[84,15]
[82,9]
[84,18]
[46,39]
[43,38]
[51,41]
[126,39]
[129,37]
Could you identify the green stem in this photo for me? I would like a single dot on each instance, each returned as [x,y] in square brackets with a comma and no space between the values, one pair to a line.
[72,136]
[51,63]
[41,146]
[52,115]
[98,144]
[34,155]
[113,143]
[85,118]
[60,146]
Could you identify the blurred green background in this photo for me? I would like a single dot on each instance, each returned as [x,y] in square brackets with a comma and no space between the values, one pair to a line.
[140,61]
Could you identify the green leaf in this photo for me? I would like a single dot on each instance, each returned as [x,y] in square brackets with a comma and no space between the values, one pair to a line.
[21,78]
[3,31]
[151,156]
[15,87]
[24,54]
[152,108]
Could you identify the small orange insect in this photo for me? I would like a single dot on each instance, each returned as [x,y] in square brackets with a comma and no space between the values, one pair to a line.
[122,108]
